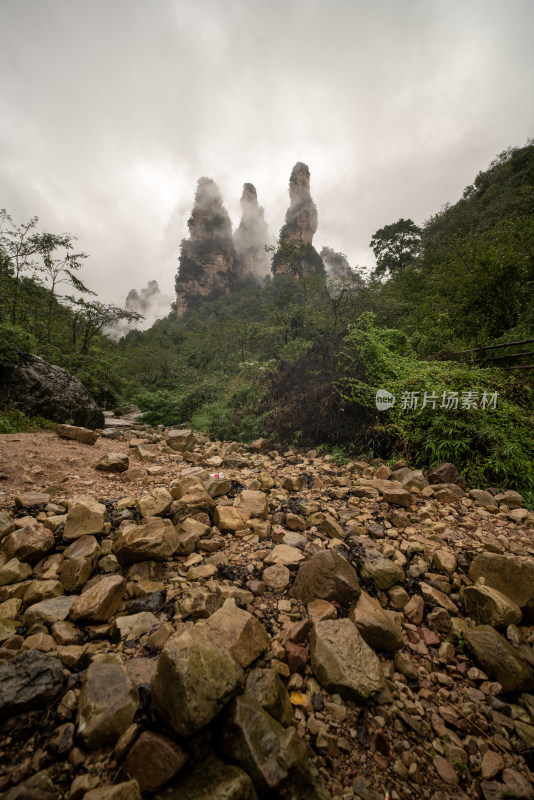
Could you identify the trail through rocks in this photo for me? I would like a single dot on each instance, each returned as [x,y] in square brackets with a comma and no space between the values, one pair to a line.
[292,629]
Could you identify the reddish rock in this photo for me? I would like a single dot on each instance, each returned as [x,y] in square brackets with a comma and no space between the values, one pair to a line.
[297,656]
[154,760]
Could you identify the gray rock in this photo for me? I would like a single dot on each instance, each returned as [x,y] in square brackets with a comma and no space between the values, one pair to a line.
[107,704]
[326,576]
[275,757]
[41,388]
[488,606]
[129,790]
[342,662]
[158,540]
[84,435]
[375,625]
[511,575]
[195,678]
[113,462]
[56,609]
[265,686]
[211,779]
[499,659]
[30,680]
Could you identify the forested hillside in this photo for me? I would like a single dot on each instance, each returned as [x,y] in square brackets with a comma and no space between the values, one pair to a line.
[299,359]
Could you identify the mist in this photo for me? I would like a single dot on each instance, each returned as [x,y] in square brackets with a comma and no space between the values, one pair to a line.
[110,112]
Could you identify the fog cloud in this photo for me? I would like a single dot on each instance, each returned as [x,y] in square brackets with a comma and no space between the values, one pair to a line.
[111,111]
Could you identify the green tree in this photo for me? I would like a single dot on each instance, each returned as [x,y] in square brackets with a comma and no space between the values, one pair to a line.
[396,246]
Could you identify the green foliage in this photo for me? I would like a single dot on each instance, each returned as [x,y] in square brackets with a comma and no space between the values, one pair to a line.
[396,246]
[12,420]
[489,446]
[13,341]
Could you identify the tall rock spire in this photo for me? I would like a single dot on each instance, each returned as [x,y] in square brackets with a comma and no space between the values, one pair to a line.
[208,257]
[299,229]
[251,236]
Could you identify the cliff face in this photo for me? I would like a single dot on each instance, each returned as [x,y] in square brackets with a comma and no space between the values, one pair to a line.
[336,264]
[299,229]
[207,259]
[251,236]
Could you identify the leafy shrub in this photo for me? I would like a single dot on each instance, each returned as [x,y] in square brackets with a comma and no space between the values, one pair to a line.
[13,341]
[12,420]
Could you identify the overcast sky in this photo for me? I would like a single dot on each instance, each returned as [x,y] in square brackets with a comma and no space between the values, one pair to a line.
[110,110]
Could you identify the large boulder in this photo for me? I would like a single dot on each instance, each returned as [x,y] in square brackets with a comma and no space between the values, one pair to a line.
[107,704]
[210,779]
[499,659]
[38,387]
[327,576]
[195,678]
[275,757]
[342,662]
[29,681]
[511,575]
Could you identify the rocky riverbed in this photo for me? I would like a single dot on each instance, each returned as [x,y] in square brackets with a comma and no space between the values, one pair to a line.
[293,629]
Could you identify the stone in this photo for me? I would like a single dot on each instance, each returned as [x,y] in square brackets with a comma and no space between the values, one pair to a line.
[83,546]
[240,632]
[511,575]
[326,576]
[14,571]
[487,606]
[81,785]
[276,577]
[331,528]
[180,440]
[128,790]
[445,473]
[40,388]
[398,497]
[113,462]
[48,612]
[375,625]
[157,540]
[382,571]
[285,555]
[30,502]
[195,501]
[154,760]
[266,687]
[499,659]
[445,561]
[321,609]
[156,502]
[491,765]
[75,572]
[195,678]
[6,524]
[29,681]
[516,784]
[445,770]
[254,503]
[229,519]
[210,779]
[84,435]
[342,662]
[38,787]
[483,498]
[29,544]
[133,626]
[42,590]
[107,704]
[434,597]
[275,757]
[86,516]
[100,601]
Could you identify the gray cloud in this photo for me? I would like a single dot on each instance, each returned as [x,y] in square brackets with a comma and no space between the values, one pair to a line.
[111,111]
